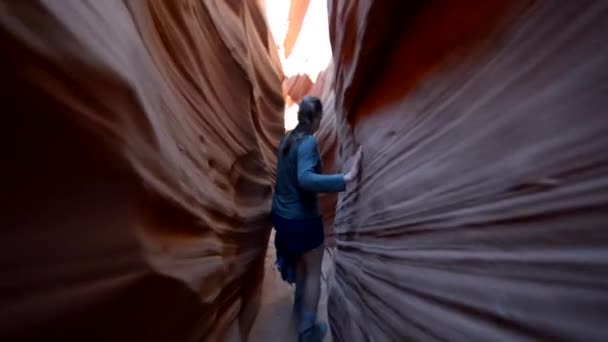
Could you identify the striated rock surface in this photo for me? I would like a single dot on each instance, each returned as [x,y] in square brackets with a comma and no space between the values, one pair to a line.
[328,146]
[296,87]
[139,143]
[482,206]
[297,12]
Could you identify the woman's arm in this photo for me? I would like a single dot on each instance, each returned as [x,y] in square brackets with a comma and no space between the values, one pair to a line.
[309,179]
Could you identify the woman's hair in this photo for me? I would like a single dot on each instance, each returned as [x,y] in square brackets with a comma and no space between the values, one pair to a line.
[310,109]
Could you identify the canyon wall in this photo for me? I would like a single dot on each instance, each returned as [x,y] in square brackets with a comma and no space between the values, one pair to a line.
[139,143]
[481,210]
[140,139]
[297,12]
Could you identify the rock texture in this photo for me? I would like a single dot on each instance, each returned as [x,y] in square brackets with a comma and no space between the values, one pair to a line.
[296,87]
[297,12]
[139,142]
[328,146]
[482,206]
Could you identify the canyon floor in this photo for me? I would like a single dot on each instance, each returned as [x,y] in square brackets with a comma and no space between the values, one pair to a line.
[275,322]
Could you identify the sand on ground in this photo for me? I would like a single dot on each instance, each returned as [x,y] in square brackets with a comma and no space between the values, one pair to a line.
[275,321]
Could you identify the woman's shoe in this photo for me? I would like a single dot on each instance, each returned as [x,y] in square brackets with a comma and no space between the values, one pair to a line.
[316,333]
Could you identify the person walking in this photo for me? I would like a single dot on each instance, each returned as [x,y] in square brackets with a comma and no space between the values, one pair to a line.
[295,215]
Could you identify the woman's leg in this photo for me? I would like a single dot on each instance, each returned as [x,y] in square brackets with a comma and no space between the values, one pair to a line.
[300,284]
[311,261]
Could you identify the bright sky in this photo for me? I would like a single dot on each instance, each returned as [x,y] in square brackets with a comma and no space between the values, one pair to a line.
[277,12]
[312,51]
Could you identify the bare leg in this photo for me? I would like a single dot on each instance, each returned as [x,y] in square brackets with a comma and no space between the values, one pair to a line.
[311,262]
[299,293]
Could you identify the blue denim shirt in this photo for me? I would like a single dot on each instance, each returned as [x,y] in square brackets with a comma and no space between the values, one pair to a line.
[299,179]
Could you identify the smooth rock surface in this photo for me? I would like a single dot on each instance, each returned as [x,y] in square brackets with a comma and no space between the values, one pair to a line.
[297,12]
[140,144]
[295,87]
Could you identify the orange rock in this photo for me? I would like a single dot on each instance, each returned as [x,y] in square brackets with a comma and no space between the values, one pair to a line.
[142,141]
[297,12]
[296,87]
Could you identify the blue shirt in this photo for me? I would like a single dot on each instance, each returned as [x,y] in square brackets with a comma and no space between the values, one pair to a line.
[299,179]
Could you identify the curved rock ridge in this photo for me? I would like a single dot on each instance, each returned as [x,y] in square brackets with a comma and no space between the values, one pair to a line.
[297,12]
[481,209]
[142,150]
[296,87]
[328,146]
[141,135]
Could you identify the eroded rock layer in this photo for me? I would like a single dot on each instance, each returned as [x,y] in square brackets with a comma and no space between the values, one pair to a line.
[482,206]
[297,12]
[140,149]
[328,146]
[296,87]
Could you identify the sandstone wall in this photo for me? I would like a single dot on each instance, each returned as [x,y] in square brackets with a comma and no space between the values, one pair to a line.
[139,146]
[297,12]
[481,210]
[296,87]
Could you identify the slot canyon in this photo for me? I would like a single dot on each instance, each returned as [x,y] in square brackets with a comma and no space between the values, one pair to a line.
[141,146]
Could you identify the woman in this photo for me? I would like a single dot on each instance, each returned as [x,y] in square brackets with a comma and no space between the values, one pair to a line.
[296,216]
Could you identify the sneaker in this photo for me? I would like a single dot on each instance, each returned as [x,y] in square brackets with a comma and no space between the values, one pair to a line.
[315,333]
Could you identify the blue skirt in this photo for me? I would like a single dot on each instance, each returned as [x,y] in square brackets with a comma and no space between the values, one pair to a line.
[294,238]
[297,237]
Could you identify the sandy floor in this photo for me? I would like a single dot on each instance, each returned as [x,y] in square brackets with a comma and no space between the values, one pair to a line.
[275,322]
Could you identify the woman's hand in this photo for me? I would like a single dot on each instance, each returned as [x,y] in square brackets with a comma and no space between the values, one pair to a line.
[354,167]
